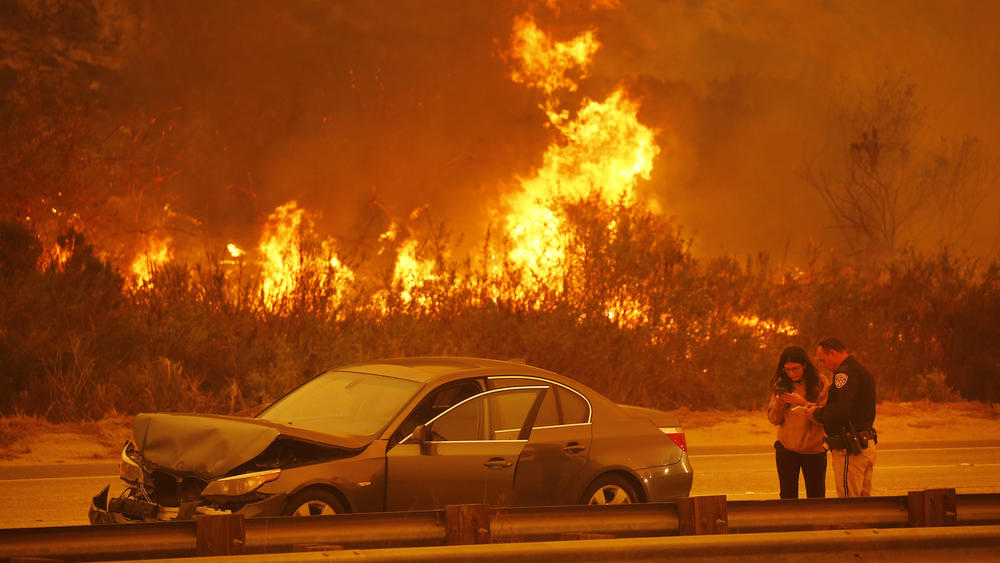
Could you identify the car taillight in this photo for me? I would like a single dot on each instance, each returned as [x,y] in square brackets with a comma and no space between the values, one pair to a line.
[677,435]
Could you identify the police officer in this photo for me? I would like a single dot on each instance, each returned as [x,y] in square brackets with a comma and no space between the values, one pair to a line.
[848,418]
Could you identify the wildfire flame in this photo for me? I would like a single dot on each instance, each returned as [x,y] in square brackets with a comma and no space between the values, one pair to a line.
[284,258]
[279,248]
[543,63]
[411,272]
[157,254]
[57,256]
[600,150]
[604,150]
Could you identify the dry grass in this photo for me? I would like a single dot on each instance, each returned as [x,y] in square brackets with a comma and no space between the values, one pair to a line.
[705,418]
[973,409]
[17,431]
[20,436]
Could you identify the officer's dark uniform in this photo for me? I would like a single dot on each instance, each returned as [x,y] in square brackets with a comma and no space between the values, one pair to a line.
[850,407]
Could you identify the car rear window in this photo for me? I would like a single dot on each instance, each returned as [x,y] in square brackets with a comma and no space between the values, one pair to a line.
[575,410]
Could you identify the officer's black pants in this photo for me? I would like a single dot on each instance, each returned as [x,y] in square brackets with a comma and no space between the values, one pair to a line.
[813,467]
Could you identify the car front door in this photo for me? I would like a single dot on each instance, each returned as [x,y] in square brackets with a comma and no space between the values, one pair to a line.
[468,454]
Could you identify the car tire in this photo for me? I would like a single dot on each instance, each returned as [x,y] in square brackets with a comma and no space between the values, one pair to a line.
[314,502]
[610,489]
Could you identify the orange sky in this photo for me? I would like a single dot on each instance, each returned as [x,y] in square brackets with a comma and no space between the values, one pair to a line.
[330,103]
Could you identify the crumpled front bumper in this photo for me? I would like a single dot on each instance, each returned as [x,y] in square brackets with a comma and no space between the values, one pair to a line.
[125,510]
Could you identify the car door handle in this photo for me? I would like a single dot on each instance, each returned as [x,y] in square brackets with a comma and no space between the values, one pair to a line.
[498,463]
[573,448]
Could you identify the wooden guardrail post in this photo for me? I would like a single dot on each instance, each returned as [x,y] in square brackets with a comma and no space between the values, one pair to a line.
[702,515]
[220,534]
[467,524]
[933,507]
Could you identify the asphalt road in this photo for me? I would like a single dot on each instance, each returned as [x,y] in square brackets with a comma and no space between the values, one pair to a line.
[751,475]
[59,495]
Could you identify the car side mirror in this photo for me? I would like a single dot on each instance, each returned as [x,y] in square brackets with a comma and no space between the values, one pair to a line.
[419,434]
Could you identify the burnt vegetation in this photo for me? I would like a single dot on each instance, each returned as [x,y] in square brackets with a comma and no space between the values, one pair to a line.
[77,343]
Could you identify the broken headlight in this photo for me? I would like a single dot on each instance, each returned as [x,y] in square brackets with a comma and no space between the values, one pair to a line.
[240,484]
[128,466]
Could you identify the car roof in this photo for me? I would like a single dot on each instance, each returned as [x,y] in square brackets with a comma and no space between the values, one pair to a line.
[424,369]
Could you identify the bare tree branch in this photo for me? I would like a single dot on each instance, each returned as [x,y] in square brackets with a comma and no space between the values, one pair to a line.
[886,188]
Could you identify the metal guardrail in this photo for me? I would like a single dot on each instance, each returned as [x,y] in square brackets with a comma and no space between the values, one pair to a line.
[472,524]
[964,543]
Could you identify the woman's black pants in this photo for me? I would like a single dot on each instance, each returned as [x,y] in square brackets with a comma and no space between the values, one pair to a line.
[813,467]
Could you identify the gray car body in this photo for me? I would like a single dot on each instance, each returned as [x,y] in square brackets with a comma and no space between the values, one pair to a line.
[555,465]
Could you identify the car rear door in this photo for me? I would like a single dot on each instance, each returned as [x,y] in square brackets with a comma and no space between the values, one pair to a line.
[549,468]
[469,454]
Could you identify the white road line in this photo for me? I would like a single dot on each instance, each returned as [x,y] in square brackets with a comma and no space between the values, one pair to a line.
[696,456]
[969,465]
[29,479]
[881,451]
[941,449]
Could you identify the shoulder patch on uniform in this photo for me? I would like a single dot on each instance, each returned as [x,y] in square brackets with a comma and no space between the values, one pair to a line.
[840,379]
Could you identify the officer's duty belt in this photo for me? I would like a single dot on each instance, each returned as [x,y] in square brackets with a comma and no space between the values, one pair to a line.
[843,441]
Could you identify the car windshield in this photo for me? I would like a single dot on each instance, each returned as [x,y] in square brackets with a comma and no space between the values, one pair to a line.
[339,402]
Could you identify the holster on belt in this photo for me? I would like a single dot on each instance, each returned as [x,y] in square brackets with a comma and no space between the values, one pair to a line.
[849,441]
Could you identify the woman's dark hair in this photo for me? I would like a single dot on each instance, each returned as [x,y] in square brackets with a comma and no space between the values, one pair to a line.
[795,354]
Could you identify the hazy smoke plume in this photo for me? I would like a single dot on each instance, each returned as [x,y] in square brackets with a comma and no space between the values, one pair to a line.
[365,111]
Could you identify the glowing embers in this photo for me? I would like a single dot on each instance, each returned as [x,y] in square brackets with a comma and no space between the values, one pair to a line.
[766,326]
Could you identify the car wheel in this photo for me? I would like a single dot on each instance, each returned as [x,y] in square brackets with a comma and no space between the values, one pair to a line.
[610,489]
[314,502]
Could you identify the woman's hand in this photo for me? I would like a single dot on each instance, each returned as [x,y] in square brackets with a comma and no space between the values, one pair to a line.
[792,399]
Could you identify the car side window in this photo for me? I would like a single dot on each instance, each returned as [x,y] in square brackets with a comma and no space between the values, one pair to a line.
[463,423]
[435,403]
[575,409]
[549,413]
[509,410]
[496,415]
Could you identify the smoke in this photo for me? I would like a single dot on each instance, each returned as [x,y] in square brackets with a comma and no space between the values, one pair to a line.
[365,111]
[746,92]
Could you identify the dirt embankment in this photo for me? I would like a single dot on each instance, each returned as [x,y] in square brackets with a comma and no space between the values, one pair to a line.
[29,441]
[915,422]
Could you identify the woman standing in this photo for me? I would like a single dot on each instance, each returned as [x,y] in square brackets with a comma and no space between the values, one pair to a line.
[797,384]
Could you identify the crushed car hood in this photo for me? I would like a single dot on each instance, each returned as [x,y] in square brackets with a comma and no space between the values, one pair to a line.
[209,446]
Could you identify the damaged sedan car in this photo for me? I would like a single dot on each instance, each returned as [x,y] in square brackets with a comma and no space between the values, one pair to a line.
[403,434]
